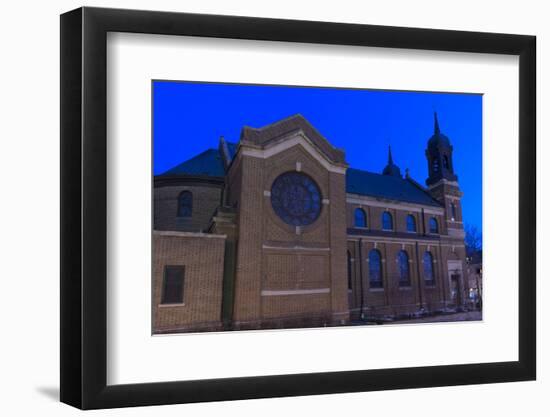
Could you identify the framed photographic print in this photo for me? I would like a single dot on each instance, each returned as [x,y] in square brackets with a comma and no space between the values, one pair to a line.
[257,208]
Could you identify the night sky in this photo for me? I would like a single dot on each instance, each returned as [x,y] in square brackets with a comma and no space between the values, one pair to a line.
[189,118]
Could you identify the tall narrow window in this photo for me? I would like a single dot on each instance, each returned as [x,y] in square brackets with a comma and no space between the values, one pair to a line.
[446,161]
[453,211]
[185,204]
[404,273]
[435,165]
[350,271]
[172,286]
[375,269]
[360,218]
[411,223]
[434,227]
[429,277]
[387,221]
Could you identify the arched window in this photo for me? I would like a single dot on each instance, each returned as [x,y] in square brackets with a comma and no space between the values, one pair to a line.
[453,211]
[387,221]
[435,165]
[404,273]
[411,223]
[360,218]
[446,161]
[434,227]
[185,204]
[375,269]
[429,277]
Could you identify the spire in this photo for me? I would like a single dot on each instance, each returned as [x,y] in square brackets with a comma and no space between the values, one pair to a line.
[391,168]
[439,155]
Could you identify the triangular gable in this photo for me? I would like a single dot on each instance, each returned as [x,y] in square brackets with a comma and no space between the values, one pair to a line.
[262,137]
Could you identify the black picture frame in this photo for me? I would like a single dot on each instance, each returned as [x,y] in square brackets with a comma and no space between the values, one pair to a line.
[84,207]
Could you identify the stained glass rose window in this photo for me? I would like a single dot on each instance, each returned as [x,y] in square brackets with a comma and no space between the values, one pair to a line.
[296,199]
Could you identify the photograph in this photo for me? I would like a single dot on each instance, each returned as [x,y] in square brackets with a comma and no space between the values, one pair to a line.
[284,207]
[328,210]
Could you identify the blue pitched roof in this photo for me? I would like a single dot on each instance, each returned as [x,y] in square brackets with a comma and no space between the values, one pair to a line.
[208,163]
[232,148]
[386,186]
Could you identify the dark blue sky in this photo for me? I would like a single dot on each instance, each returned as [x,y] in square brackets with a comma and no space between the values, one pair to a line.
[189,118]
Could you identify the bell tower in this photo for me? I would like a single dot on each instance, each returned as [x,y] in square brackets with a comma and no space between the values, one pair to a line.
[443,185]
[440,157]
[442,181]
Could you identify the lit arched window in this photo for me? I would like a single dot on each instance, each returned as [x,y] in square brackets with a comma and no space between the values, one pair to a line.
[434,227]
[404,273]
[453,211]
[429,277]
[375,269]
[411,223]
[387,221]
[185,204]
[446,161]
[360,218]
[435,165]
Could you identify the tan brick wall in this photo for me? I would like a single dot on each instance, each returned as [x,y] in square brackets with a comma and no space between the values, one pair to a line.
[202,257]
[291,271]
[206,198]
[440,222]
[234,183]
[249,253]
[285,276]
[446,193]
[374,217]
[263,263]
[393,299]
[282,306]
[338,255]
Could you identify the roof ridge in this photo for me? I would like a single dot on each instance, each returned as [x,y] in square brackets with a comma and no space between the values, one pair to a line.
[280,121]
[196,159]
[364,182]
[373,172]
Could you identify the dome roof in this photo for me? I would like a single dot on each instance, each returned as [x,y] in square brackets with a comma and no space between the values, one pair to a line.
[438,139]
[391,168]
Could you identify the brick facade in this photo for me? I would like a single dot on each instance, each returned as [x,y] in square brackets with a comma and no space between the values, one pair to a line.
[251,270]
[202,256]
[206,199]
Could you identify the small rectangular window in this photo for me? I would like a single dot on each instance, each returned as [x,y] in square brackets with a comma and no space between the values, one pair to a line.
[172,288]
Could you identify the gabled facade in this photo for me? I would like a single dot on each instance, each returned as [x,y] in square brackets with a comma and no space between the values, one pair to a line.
[276,231]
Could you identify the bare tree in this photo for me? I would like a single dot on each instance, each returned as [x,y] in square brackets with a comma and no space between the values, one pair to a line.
[473,239]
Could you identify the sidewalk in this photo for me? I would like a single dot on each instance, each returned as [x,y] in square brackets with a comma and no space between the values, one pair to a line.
[465,316]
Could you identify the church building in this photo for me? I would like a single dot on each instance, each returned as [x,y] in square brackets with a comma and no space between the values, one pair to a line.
[278,231]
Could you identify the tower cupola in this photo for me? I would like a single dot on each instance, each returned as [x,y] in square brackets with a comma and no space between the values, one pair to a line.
[391,168]
[440,156]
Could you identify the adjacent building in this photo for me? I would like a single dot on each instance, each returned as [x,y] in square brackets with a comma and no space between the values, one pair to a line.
[278,231]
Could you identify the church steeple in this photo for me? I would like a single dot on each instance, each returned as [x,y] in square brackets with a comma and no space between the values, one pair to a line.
[436,125]
[391,168]
[440,156]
